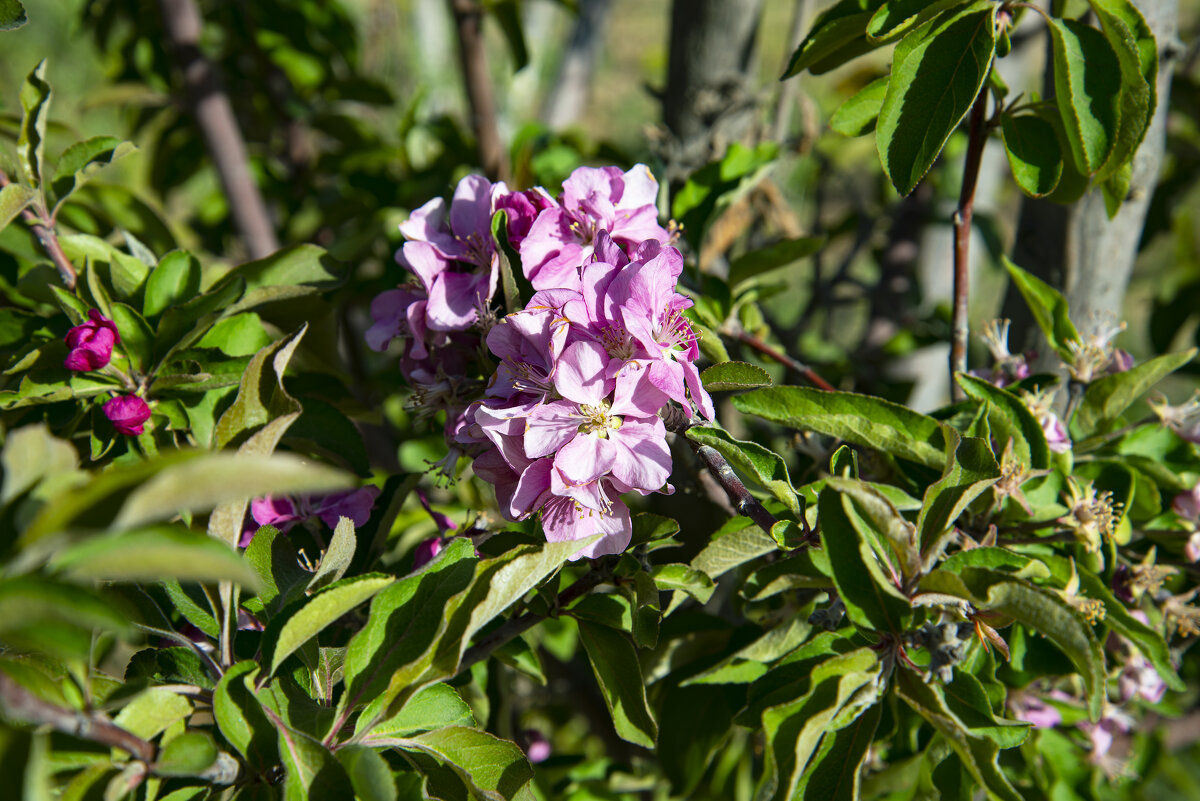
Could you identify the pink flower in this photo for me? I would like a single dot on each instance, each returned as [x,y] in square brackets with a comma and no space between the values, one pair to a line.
[1139,678]
[354,504]
[537,748]
[522,209]
[1187,504]
[425,551]
[91,343]
[1033,709]
[284,513]
[127,414]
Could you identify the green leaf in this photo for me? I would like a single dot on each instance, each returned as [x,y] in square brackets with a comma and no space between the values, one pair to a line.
[299,265]
[208,480]
[173,282]
[337,556]
[615,664]
[749,663]
[369,773]
[239,335]
[968,700]
[1137,54]
[82,161]
[434,707]
[931,90]
[31,143]
[153,554]
[872,599]
[832,31]
[12,15]
[835,774]
[712,188]
[1048,306]
[31,455]
[261,396]
[772,257]
[759,464]
[978,754]
[994,558]
[1107,397]
[1034,156]
[897,17]
[31,607]
[734,375]
[727,552]
[240,716]
[183,325]
[14,198]
[794,729]
[857,116]
[152,712]
[316,613]
[1087,90]
[495,769]
[970,469]
[75,309]
[137,338]
[858,419]
[312,772]
[686,579]
[395,644]
[893,539]
[507,14]
[1010,418]
[189,754]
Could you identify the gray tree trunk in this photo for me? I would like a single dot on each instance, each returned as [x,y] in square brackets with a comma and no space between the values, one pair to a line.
[572,88]
[1077,248]
[710,94]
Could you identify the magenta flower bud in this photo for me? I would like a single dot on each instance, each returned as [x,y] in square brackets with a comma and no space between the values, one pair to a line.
[537,747]
[425,551]
[91,343]
[127,413]
[354,504]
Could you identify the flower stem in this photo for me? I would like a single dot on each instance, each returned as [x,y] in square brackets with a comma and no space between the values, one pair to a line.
[48,239]
[806,372]
[977,137]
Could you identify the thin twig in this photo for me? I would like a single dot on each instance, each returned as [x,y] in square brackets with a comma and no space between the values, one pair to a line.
[468,21]
[962,240]
[806,372]
[48,239]
[20,704]
[210,108]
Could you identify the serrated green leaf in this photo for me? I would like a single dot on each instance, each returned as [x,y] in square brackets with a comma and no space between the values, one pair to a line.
[897,17]
[154,554]
[240,717]
[1048,306]
[858,419]
[1034,156]
[831,32]
[189,754]
[685,579]
[1087,90]
[311,771]
[761,465]
[978,754]
[734,375]
[836,772]
[931,90]
[312,616]
[14,198]
[727,552]
[615,665]
[1137,53]
[1107,397]
[857,116]
[872,599]
[31,143]
[970,470]
[967,699]
[137,338]
[1009,418]
[152,712]
[174,281]
[337,556]
[83,160]
[435,707]
[495,769]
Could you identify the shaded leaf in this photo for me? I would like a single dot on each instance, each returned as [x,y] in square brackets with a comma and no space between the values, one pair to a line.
[1034,156]
[857,116]
[761,465]
[615,664]
[1087,90]
[1108,396]
[317,612]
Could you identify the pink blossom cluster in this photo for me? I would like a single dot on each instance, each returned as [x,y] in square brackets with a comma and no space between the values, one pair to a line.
[91,346]
[568,421]
[284,512]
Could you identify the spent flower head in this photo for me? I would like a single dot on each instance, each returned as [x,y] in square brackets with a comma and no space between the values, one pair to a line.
[1091,354]
[1093,515]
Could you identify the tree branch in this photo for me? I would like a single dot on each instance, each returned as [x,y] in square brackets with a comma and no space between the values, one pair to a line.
[962,240]
[805,372]
[468,19]
[210,108]
[20,704]
[48,239]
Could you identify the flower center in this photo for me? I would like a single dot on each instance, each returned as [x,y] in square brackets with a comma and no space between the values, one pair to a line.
[673,331]
[617,342]
[596,420]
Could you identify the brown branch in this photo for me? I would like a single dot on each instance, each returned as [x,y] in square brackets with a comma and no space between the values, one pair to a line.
[806,372]
[20,704]
[962,241]
[210,108]
[48,239]
[468,21]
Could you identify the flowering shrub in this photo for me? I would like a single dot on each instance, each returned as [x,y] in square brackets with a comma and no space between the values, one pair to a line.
[640,567]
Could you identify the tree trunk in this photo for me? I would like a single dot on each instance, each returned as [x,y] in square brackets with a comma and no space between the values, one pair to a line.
[572,88]
[1078,249]
[710,95]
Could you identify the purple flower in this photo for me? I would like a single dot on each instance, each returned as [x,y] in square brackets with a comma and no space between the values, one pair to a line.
[1140,679]
[522,208]
[1033,709]
[425,551]
[354,504]
[284,513]
[1187,504]
[127,414]
[91,343]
